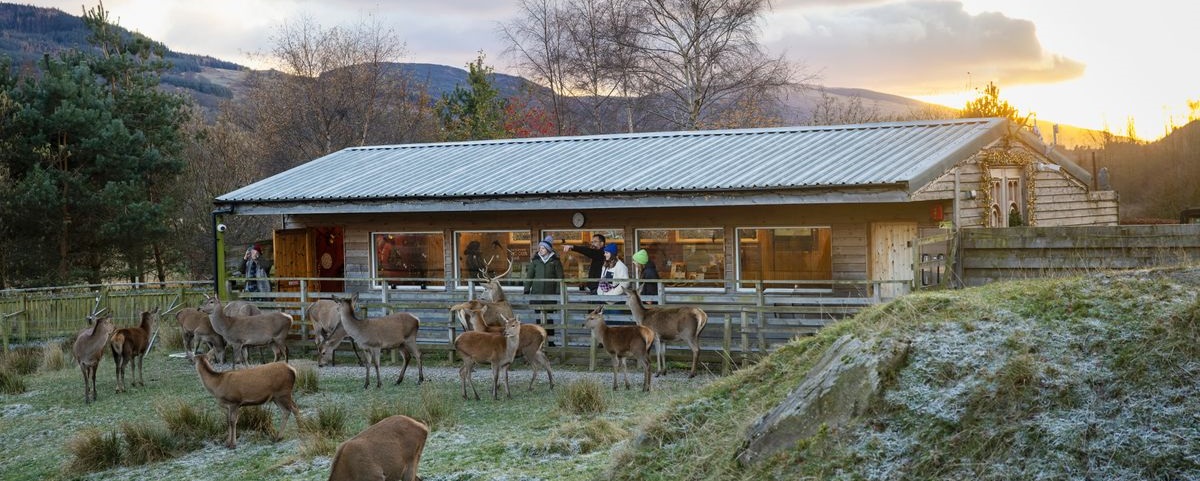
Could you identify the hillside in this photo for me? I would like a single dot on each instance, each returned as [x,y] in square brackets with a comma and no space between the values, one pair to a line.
[1082,378]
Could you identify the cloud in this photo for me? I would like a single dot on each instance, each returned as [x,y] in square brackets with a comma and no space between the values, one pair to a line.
[915,48]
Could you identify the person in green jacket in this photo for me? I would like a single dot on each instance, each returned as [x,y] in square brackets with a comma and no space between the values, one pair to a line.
[544,265]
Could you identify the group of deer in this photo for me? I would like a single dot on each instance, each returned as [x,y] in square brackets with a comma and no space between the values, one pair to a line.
[128,346]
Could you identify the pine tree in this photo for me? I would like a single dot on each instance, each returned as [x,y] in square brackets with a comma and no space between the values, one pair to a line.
[476,112]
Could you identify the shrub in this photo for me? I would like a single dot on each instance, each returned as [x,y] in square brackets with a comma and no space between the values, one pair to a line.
[11,382]
[53,357]
[583,396]
[94,450]
[306,379]
[147,443]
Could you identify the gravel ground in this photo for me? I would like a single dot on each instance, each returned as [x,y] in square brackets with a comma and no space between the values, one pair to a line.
[519,373]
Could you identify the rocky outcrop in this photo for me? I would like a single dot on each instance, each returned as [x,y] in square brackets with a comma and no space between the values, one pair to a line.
[841,386]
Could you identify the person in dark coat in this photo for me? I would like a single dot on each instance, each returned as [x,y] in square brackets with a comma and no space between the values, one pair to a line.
[545,264]
[649,273]
[595,252]
[477,268]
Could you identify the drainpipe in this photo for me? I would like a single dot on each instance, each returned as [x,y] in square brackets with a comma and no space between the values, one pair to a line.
[218,229]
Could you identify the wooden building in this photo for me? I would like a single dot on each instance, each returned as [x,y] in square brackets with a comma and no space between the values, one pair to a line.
[716,210]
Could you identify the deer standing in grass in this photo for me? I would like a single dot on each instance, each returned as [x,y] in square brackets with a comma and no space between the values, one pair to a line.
[240,331]
[496,349]
[377,334]
[129,346]
[250,387]
[622,342]
[669,324]
[197,329]
[533,337]
[387,450]
[328,333]
[498,308]
[89,349]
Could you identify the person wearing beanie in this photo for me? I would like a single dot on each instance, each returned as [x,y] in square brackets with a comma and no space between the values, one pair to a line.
[545,264]
[649,273]
[253,267]
[594,252]
[615,275]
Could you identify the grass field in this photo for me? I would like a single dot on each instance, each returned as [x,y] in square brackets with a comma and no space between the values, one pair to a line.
[529,437]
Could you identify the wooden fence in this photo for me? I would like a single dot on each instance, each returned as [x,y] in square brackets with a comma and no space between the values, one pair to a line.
[744,324]
[988,255]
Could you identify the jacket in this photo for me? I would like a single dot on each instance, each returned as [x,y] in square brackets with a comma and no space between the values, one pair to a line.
[612,285]
[594,270]
[552,268]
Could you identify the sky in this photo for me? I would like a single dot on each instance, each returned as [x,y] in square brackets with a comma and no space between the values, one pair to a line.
[1079,62]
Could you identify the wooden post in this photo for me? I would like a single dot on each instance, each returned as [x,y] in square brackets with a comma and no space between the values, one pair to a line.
[23,328]
[760,304]
[450,326]
[303,309]
[745,339]
[563,311]
[592,352]
[726,339]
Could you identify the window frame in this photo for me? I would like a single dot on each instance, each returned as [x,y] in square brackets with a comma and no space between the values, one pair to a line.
[738,281]
[374,261]
[637,242]
[462,285]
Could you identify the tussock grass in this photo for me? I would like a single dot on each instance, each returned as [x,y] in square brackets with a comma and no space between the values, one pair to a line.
[307,380]
[434,406]
[583,396]
[54,358]
[170,336]
[93,450]
[22,361]
[148,443]
[11,382]
[329,422]
[189,424]
[580,437]
[258,419]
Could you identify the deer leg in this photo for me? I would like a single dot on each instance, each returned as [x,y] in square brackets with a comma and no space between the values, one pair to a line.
[189,350]
[541,356]
[231,418]
[416,351]
[117,367]
[616,362]
[367,373]
[694,343]
[660,350]
[141,361]
[625,371]
[495,379]
[507,394]
[354,346]
[376,354]
[403,369]
[87,394]
[644,363]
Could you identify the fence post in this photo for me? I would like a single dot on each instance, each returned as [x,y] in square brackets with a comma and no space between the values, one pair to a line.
[303,309]
[562,301]
[760,304]
[726,339]
[745,338]
[23,328]
[450,328]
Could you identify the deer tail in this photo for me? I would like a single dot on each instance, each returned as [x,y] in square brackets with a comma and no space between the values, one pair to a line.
[701,320]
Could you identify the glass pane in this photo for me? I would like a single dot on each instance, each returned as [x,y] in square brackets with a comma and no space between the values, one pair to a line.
[575,266]
[785,254]
[409,258]
[489,251]
[683,255]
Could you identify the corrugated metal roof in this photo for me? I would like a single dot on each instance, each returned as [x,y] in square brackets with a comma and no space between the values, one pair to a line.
[891,153]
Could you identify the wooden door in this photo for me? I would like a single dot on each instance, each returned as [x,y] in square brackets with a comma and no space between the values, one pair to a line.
[330,258]
[892,255]
[293,257]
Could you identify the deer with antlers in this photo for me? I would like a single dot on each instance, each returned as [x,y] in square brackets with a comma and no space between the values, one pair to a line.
[669,324]
[533,336]
[89,349]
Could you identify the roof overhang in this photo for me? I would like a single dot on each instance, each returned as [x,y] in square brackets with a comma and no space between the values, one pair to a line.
[846,195]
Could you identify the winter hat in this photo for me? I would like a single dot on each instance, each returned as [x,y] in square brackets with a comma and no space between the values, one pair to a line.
[611,249]
[548,242]
[641,257]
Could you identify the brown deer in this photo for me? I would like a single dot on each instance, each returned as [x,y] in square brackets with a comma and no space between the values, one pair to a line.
[197,329]
[498,309]
[328,333]
[669,324]
[249,387]
[89,349]
[129,346]
[377,334]
[496,349]
[389,449]
[533,337]
[622,342]
[240,331]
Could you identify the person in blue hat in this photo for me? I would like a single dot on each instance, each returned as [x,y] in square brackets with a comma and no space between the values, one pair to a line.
[614,278]
[545,264]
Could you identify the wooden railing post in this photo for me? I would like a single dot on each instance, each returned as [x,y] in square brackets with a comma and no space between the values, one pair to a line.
[562,302]
[23,327]
[450,325]
[745,339]
[726,340]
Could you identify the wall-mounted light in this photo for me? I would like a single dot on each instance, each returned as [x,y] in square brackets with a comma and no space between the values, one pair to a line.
[970,194]
[1042,166]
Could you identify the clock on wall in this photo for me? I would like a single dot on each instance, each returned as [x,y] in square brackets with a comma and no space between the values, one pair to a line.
[577,220]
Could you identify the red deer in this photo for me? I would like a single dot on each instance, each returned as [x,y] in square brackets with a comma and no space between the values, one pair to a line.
[533,336]
[496,349]
[197,329]
[622,342]
[669,324]
[129,346]
[377,334]
[89,349]
[240,331]
[249,387]
[389,449]
[328,333]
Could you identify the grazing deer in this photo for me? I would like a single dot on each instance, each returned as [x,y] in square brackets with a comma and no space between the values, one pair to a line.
[328,333]
[197,329]
[669,324]
[533,336]
[497,349]
[89,349]
[387,450]
[249,387]
[387,332]
[240,331]
[622,342]
[129,346]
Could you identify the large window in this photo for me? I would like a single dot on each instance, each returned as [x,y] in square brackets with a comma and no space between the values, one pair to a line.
[489,251]
[784,253]
[408,258]
[575,266]
[683,256]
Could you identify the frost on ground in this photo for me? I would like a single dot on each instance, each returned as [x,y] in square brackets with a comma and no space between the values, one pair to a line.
[11,410]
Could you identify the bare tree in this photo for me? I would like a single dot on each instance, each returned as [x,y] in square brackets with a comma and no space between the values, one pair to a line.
[702,55]
[538,40]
